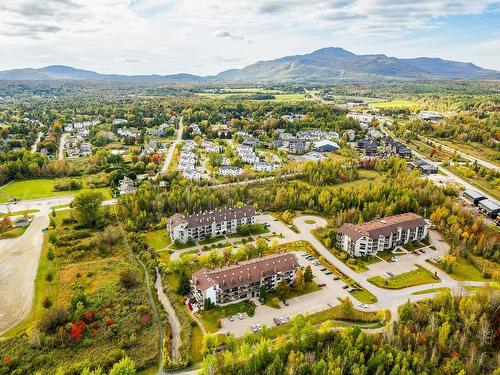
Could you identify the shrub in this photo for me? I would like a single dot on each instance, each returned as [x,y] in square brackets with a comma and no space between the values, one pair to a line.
[50,253]
[47,302]
[128,278]
[49,277]
[486,275]
[54,318]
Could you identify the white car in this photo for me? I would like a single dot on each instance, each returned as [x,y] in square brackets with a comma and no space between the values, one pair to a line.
[282,320]
[259,327]
[254,328]
[363,305]
[240,316]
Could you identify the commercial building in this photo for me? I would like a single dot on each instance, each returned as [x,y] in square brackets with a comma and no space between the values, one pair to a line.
[489,208]
[382,234]
[473,196]
[325,146]
[209,224]
[243,280]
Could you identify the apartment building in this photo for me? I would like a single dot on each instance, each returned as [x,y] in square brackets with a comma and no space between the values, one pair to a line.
[381,234]
[243,280]
[205,224]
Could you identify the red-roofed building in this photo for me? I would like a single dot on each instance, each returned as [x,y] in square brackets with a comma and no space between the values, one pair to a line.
[243,280]
[381,234]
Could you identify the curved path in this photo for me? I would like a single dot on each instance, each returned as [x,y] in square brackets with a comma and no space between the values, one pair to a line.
[172,318]
[18,266]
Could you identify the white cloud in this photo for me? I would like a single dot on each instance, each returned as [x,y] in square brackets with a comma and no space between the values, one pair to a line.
[168,36]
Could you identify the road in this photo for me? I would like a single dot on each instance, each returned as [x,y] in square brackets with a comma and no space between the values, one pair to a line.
[18,265]
[327,297]
[62,142]
[170,153]
[451,176]
[469,157]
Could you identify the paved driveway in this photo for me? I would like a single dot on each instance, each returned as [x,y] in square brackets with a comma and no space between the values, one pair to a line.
[309,303]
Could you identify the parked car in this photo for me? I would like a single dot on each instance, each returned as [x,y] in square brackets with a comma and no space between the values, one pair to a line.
[323,269]
[328,273]
[317,263]
[422,251]
[285,302]
[283,320]
[345,287]
[322,285]
[259,327]
[240,316]
[390,274]
[336,278]
[363,305]
[254,328]
[277,321]
[45,229]
[231,318]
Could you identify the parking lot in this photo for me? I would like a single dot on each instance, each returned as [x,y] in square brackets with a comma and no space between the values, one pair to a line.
[313,302]
[407,262]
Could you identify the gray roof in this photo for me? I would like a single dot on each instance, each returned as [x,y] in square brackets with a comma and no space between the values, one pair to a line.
[209,217]
[473,194]
[489,205]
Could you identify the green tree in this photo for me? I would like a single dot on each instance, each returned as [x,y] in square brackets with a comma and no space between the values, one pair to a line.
[299,283]
[282,290]
[88,208]
[125,367]
[308,275]
[184,285]
[347,307]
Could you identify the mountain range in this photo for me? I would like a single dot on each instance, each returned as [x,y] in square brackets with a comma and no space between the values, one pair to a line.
[324,65]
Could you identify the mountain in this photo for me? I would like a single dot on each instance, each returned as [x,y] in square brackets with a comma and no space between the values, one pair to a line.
[323,65]
[329,64]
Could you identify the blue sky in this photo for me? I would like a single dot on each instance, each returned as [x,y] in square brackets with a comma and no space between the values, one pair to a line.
[208,36]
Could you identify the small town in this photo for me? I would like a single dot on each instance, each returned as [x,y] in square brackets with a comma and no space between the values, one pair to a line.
[270,187]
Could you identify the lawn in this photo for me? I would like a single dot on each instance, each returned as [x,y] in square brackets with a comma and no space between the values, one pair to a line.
[362,295]
[211,318]
[397,103]
[41,188]
[310,221]
[418,276]
[157,239]
[196,344]
[463,271]
[433,290]
[13,233]
[15,213]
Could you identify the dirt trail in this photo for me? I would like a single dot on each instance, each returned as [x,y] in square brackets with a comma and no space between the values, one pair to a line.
[18,264]
[172,318]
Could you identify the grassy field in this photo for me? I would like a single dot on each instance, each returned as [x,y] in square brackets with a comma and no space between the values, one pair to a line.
[396,104]
[13,233]
[196,344]
[278,96]
[433,290]
[157,239]
[94,274]
[15,213]
[463,271]
[362,295]
[210,318]
[474,149]
[41,188]
[419,276]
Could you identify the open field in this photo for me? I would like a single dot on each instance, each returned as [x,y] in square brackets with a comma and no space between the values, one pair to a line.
[41,188]
[474,149]
[419,276]
[397,104]
[463,271]
[15,213]
[157,239]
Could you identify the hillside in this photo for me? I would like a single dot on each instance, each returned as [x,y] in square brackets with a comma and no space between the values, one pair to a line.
[324,65]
